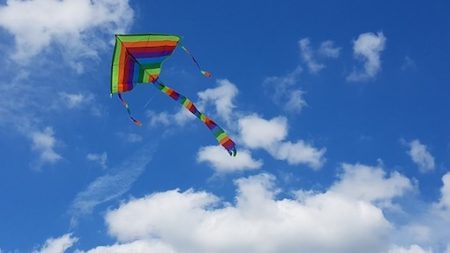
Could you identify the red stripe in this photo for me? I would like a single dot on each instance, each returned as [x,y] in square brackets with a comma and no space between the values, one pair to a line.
[150,49]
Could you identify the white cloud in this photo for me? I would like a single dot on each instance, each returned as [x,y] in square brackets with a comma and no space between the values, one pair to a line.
[445,191]
[57,245]
[327,49]
[139,246]
[199,222]
[368,48]
[412,249]
[299,153]
[75,100]
[44,143]
[257,132]
[221,162]
[443,206]
[371,184]
[222,97]
[116,182]
[295,101]
[285,93]
[38,24]
[308,56]
[101,159]
[421,156]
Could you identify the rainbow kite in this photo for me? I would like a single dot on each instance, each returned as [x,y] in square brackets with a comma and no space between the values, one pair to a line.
[138,59]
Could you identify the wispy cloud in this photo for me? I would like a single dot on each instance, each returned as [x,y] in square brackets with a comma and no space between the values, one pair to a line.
[285,91]
[421,156]
[101,158]
[44,143]
[310,56]
[368,47]
[113,184]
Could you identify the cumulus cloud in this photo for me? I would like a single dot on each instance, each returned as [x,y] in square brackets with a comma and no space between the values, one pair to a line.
[443,205]
[257,132]
[101,159]
[44,143]
[197,221]
[368,47]
[421,156]
[221,162]
[411,249]
[73,25]
[139,246]
[222,97]
[57,245]
[299,153]
[371,183]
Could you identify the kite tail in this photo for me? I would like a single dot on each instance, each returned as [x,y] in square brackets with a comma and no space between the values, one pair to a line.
[217,131]
[204,72]
[125,104]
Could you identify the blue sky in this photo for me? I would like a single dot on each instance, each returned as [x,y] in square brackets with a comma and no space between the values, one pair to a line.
[339,112]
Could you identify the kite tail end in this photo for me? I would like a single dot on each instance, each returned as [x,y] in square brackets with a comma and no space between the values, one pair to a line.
[232,152]
[137,122]
[206,73]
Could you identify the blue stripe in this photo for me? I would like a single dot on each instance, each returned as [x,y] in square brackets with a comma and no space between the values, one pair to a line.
[150,60]
[136,72]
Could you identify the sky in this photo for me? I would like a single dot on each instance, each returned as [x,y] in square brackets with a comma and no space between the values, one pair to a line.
[339,111]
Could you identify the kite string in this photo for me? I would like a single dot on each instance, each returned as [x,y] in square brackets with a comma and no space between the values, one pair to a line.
[204,72]
[125,104]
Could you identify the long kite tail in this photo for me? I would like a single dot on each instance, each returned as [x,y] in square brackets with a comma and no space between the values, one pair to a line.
[217,131]
[125,104]
[204,72]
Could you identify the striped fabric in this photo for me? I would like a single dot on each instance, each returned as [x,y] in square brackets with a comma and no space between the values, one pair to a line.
[217,131]
[138,59]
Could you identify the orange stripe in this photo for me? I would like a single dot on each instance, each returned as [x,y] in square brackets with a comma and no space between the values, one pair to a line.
[224,140]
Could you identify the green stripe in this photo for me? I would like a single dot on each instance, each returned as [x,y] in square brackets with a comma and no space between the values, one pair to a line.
[222,136]
[114,78]
[151,66]
[117,51]
[135,38]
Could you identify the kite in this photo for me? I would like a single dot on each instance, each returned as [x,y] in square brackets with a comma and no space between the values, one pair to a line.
[138,59]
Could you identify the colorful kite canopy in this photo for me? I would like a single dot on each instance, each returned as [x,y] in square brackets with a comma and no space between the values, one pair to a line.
[138,59]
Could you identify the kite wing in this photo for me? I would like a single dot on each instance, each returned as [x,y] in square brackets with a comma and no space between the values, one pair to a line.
[138,59]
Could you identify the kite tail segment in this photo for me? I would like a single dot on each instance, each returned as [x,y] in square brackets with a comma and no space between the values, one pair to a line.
[204,72]
[220,135]
[125,104]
